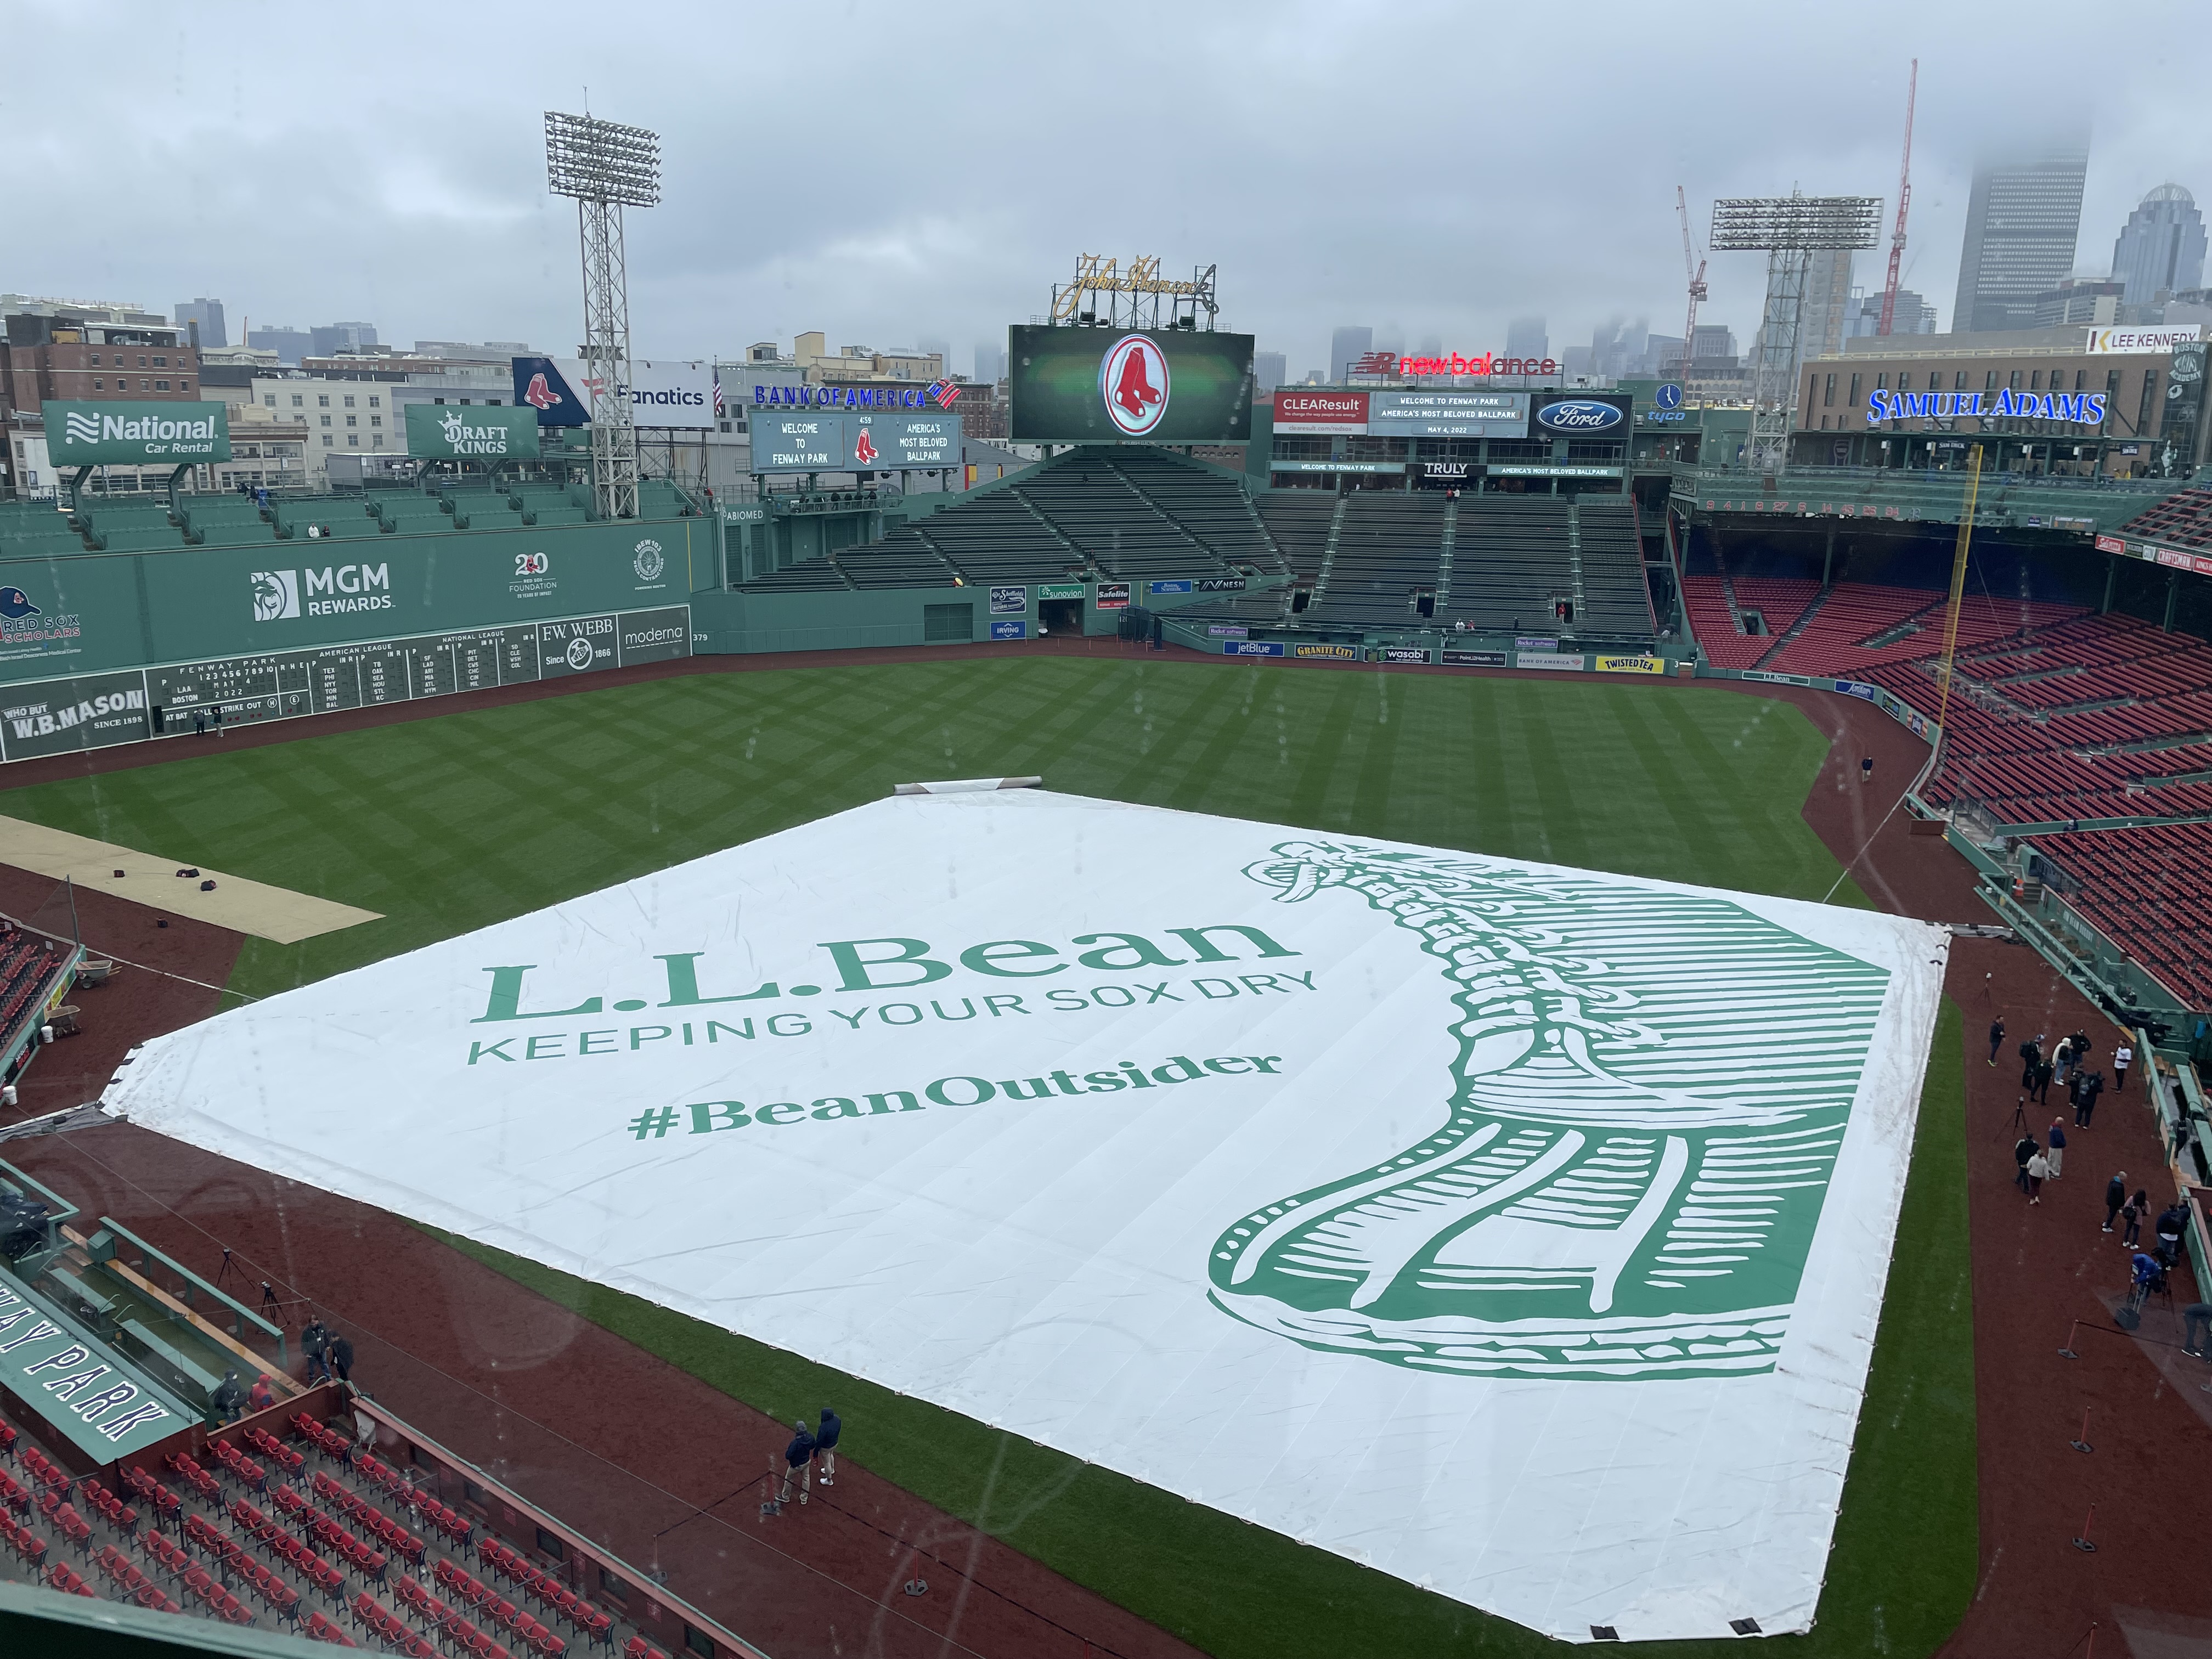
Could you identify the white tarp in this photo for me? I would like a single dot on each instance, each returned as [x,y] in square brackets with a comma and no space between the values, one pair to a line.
[1518,1230]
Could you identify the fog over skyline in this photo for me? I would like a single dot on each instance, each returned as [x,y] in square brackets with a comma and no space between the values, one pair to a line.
[1430,171]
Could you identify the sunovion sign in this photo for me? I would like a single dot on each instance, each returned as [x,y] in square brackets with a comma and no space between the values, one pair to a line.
[2079,408]
[93,434]
[1579,414]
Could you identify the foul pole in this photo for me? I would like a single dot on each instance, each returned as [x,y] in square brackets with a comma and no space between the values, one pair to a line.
[1958,584]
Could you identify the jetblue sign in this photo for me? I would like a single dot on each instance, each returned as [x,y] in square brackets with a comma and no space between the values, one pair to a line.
[2078,408]
[1579,415]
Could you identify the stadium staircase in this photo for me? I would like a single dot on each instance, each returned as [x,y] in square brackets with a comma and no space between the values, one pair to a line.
[1803,620]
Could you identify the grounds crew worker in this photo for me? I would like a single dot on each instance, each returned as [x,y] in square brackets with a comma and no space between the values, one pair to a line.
[825,1446]
[798,1462]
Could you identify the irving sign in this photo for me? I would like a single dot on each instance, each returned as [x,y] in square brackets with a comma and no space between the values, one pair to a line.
[124,434]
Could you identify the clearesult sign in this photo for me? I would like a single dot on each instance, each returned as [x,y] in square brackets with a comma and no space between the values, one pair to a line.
[94,434]
[473,431]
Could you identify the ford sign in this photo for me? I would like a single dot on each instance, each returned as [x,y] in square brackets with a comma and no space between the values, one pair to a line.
[1579,415]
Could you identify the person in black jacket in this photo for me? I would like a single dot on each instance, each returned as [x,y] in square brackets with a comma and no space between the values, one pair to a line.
[314,1341]
[2030,1059]
[2043,1073]
[2172,1222]
[340,1354]
[228,1397]
[2025,1148]
[2116,1194]
[798,1462]
[825,1446]
[1997,1037]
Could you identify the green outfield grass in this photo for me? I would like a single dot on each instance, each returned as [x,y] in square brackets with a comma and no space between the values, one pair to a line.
[451,823]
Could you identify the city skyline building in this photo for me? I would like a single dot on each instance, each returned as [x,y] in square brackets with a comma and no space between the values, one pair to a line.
[1347,344]
[1269,369]
[2023,223]
[2160,249]
[207,315]
[1525,337]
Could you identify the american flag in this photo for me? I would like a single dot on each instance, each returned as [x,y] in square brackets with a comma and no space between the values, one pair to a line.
[721,410]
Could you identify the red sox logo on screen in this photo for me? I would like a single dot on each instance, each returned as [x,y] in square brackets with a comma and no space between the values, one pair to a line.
[1134,381]
[864,451]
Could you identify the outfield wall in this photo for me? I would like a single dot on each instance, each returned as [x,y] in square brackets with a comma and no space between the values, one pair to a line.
[100,648]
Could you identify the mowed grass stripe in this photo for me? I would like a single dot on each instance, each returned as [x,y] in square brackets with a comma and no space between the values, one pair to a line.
[450,823]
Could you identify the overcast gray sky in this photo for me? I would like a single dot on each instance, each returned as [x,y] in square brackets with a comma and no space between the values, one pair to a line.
[892,173]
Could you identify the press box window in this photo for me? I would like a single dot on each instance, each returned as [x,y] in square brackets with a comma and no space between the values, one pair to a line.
[551,1544]
[697,1641]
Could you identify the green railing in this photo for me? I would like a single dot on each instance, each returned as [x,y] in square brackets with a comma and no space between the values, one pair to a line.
[241,1317]
[2005,500]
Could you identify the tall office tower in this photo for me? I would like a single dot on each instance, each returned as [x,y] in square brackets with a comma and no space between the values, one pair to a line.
[2022,221]
[1346,346]
[990,364]
[1525,337]
[2161,248]
[208,313]
[1269,370]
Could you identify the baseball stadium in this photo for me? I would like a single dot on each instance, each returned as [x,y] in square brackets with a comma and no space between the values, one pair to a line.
[1225,1044]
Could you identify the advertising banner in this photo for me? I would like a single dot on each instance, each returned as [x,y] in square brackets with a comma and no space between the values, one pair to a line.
[1473,659]
[112,434]
[1221,584]
[1010,601]
[477,431]
[1448,414]
[851,441]
[89,1393]
[1251,649]
[1107,386]
[1060,590]
[1321,411]
[1640,665]
[1331,652]
[1009,630]
[1495,1223]
[1560,662]
[661,394]
[1226,630]
[1535,643]
[1179,586]
[2103,341]
[1582,413]
[1399,654]
[1111,596]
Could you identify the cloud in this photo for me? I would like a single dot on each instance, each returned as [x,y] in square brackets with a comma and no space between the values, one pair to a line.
[1434,168]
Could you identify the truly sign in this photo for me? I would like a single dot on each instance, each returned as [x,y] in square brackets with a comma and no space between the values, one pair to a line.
[123,434]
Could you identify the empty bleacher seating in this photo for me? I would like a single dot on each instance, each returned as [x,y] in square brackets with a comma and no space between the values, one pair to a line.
[2182,520]
[1509,562]
[1297,521]
[1387,552]
[1615,598]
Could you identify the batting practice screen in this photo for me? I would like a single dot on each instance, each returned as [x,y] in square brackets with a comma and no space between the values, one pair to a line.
[1128,386]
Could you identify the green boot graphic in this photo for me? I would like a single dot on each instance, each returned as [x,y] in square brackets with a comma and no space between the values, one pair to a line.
[1648,1095]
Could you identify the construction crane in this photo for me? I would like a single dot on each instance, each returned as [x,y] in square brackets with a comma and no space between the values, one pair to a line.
[1697,275]
[1903,200]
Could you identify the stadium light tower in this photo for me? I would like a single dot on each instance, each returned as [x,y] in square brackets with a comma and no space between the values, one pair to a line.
[605,167]
[1787,229]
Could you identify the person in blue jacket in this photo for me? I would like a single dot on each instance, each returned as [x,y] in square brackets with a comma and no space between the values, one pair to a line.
[797,1463]
[825,1446]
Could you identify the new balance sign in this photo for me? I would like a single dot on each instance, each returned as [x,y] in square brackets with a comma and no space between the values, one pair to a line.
[120,433]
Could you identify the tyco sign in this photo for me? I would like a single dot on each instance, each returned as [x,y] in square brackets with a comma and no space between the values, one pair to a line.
[110,433]
[445,432]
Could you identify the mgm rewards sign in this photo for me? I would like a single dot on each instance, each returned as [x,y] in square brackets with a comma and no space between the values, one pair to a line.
[1360,1190]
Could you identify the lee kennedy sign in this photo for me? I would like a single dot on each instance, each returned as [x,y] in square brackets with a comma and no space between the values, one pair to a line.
[96,433]
[1359,1190]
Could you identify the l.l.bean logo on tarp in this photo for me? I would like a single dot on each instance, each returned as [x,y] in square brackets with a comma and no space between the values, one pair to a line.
[1628,1168]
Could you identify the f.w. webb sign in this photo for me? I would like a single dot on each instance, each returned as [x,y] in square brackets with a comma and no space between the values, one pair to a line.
[1360,1190]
